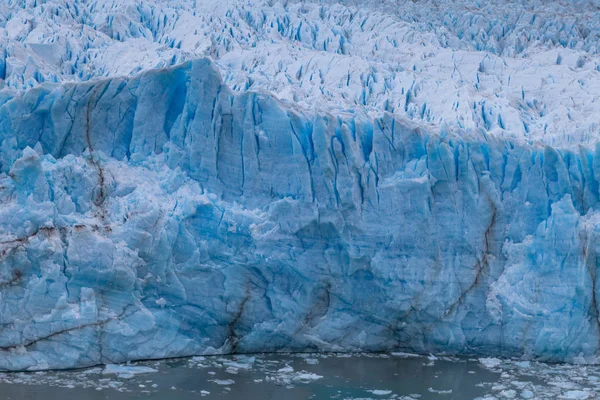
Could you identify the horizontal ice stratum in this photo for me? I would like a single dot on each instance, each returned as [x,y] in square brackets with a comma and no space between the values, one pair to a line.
[205,177]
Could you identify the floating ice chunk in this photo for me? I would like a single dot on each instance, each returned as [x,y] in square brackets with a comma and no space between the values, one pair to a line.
[380,392]
[432,390]
[126,371]
[223,382]
[490,362]
[404,355]
[576,394]
[240,363]
[508,394]
[305,377]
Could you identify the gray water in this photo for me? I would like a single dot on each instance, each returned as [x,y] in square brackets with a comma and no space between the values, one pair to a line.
[311,376]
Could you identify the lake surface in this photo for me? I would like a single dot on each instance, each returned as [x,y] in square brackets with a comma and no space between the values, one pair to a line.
[397,376]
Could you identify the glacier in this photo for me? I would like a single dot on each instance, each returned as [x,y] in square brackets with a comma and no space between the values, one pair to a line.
[182,210]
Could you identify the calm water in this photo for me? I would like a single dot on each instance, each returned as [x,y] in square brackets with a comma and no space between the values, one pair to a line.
[309,376]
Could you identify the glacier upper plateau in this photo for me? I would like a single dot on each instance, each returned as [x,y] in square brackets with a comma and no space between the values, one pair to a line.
[207,177]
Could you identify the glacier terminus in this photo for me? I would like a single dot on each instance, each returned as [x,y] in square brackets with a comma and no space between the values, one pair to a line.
[239,176]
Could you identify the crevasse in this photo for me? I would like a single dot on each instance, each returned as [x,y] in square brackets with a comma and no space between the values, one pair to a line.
[164,215]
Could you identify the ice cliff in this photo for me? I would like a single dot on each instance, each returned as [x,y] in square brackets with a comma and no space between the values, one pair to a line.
[176,211]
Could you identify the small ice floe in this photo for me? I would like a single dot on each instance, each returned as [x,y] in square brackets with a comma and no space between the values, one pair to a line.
[305,377]
[239,363]
[287,376]
[508,394]
[432,390]
[563,384]
[379,392]
[523,364]
[404,355]
[527,394]
[92,371]
[576,394]
[126,371]
[490,362]
[223,382]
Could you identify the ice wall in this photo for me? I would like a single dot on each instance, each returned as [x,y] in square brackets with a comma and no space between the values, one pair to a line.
[164,215]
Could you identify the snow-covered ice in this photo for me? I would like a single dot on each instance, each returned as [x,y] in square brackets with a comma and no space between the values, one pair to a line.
[515,69]
[208,177]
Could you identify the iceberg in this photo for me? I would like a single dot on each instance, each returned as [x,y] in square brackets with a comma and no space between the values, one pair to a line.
[169,213]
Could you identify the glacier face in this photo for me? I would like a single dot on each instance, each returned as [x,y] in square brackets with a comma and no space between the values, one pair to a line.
[206,221]
[178,212]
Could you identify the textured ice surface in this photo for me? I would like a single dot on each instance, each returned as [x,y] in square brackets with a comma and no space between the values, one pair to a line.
[525,69]
[176,212]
